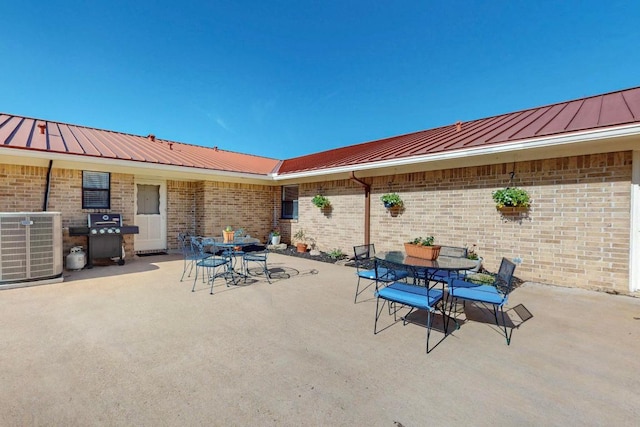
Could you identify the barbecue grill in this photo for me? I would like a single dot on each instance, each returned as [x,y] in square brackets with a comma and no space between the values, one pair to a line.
[104,236]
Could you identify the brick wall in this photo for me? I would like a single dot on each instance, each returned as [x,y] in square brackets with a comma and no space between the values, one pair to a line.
[205,208]
[22,188]
[575,234]
[181,209]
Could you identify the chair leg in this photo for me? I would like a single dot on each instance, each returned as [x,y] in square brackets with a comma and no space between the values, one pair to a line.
[267,273]
[212,278]
[355,299]
[189,265]
[504,324]
[184,269]
[378,312]
[429,322]
[195,279]
[453,308]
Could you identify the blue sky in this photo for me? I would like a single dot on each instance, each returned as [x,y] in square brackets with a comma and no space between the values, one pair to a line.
[287,78]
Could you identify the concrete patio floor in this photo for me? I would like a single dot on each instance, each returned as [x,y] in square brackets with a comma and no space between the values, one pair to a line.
[132,345]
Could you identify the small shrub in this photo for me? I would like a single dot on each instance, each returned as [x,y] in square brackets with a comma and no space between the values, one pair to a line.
[336,254]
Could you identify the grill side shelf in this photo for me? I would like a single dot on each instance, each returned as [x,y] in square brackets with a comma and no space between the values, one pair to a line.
[78,231]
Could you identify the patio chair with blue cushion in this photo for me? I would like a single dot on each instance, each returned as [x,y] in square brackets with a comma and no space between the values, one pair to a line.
[364,261]
[415,297]
[495,295]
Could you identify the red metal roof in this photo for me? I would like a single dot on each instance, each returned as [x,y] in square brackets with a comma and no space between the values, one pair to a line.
[601,111]
[596,112]
[23,133]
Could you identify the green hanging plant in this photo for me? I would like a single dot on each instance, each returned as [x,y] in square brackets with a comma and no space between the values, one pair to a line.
[511,197]
[391,200]
[320,201]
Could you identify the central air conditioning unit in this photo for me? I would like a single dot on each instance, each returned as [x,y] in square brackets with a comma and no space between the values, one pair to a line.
[30,248]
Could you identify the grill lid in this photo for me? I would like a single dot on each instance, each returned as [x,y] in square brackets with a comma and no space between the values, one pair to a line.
[96,220]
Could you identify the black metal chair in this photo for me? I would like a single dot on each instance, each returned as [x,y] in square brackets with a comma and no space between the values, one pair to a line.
[408,295]
[495,295]
[364,260]
[442,276]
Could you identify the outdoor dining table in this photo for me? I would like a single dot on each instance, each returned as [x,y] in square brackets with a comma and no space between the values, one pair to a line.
[428,269]
[230,249]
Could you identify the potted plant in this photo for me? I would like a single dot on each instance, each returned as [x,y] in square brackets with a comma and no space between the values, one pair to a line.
[320,201]
[423,247]
[391,200]
[300,239]
[473,255]
[228,234]
[511,197]
[275,237]
[481,279]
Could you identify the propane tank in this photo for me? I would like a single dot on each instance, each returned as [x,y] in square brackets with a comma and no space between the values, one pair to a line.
[76,259]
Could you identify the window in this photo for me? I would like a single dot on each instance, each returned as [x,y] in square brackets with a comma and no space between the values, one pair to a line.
[96,193]
[290,202]
[148,199]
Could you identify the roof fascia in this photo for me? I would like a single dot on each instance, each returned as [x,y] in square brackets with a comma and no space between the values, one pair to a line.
[497,149]
[71,161]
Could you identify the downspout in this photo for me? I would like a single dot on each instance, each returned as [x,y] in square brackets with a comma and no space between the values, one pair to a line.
[634,239]
[46,191]
[367,208]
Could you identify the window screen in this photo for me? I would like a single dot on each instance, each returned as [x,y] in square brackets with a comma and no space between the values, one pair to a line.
[148,199]
[96,190]
[290,201]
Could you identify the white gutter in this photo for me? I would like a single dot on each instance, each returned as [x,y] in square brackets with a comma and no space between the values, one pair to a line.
[500,148]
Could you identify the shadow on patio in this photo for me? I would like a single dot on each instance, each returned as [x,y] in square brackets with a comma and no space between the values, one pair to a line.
[133,345]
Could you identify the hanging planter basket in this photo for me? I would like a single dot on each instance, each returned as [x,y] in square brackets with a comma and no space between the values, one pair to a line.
[391,200]
[511,197]
[321,201]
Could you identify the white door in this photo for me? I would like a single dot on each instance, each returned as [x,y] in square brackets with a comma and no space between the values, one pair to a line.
[151,216]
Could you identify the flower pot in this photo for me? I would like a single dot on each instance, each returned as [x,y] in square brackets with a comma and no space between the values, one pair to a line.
[389,205]
[301,247]
[228,236]
[425,252]
[275,240]
[477,267]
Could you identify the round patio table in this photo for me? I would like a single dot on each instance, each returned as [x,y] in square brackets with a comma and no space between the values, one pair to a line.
[427,269]
[446,263]
[230,250]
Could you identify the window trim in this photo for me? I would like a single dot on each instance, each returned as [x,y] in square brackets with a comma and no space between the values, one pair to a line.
[294,202]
